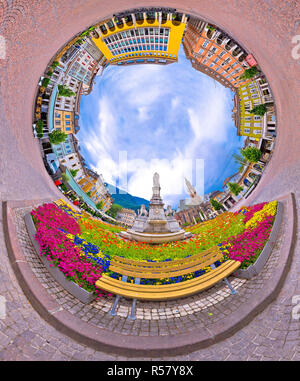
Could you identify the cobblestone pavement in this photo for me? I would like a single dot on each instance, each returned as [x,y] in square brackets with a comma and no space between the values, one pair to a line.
[153,318]
[272,335]
[33,31]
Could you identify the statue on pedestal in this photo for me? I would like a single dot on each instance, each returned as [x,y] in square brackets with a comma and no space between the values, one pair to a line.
[143,211]
[156,180]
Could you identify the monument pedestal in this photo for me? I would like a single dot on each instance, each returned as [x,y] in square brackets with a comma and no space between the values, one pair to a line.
[157,227]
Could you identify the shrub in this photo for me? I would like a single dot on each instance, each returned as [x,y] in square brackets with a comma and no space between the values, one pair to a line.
[57,137]
[235,188]
[45,82]
[252,154]
[249,73]
[259,110]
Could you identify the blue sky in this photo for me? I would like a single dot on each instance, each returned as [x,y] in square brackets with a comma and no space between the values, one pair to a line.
[169,119]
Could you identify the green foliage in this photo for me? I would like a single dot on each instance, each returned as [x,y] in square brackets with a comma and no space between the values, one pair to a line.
[57,137]
[235,188]
[65,177]
[39,128]
[114,209]
[64,91]
[252,154]
[74,172]
[49,73]
[45,82]
[99,205]
[216,205]
[259,110]
[249,73]
[54,64]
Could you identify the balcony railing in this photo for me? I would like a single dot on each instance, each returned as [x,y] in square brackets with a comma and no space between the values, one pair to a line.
[139,18]
[230,44]
[220,39]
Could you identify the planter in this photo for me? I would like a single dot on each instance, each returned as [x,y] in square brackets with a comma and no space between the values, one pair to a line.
[73,288]
[258,265]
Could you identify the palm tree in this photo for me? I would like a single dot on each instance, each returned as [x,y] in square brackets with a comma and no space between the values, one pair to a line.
[240,160]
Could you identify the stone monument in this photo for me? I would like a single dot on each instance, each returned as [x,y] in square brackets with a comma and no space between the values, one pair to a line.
[158,226]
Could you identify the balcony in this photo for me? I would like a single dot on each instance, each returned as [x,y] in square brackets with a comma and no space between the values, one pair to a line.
[210,31]
[220,39]
[111,26]
[164,18]
[139,18]
[150,17]
[119,23]
[103,29]
[95,34]
[236,51]
[128,20]
[230,44]
[242,57]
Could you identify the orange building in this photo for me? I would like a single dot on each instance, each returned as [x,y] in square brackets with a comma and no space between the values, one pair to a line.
[216,54]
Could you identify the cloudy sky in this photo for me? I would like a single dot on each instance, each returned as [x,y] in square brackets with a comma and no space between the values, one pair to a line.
[169,119]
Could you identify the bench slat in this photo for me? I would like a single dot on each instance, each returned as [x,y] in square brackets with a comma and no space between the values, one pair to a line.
[161,273]
[187,288]
[171,286]
[120,260]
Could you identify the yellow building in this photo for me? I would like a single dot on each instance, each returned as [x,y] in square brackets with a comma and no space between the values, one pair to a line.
[250,124]
[93,185]
[64,121]
[143,37]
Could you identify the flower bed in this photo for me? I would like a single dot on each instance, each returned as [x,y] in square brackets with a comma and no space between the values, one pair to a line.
[82,247]
[247,246]
[52,226]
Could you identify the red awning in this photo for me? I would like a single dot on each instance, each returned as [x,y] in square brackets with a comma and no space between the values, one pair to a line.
[57,182]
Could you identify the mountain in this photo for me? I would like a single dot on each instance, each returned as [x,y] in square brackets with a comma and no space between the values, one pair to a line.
[125,199]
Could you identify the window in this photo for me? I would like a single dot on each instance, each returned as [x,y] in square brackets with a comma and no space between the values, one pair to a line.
[247,130]
[205,43]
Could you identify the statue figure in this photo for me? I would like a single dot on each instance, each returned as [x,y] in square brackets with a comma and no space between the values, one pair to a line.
[169,211]
[191,189]
[143,211]
[156,180]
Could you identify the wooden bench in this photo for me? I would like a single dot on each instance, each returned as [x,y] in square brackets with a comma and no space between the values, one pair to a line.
[162,270]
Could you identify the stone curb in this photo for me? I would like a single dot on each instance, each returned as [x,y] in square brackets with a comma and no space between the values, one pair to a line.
[141,346]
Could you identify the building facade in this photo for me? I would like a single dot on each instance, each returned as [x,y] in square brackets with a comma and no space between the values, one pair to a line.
[93,185]
[141,37]
[126,216]
[216,54]
[64,121]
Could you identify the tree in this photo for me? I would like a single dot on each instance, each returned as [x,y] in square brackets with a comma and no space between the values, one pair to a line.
[39,128]
[57,137]
[65,177]
[74,172]
[89,193]
[99,205]
[240,160]
[54,64]
[64,91]
[235,188]
[249,73]
[259,110]
[45,82]
[216,205]
[252,154]
[114,209]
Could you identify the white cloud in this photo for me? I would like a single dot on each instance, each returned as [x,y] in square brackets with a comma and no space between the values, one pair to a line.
[165,117]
